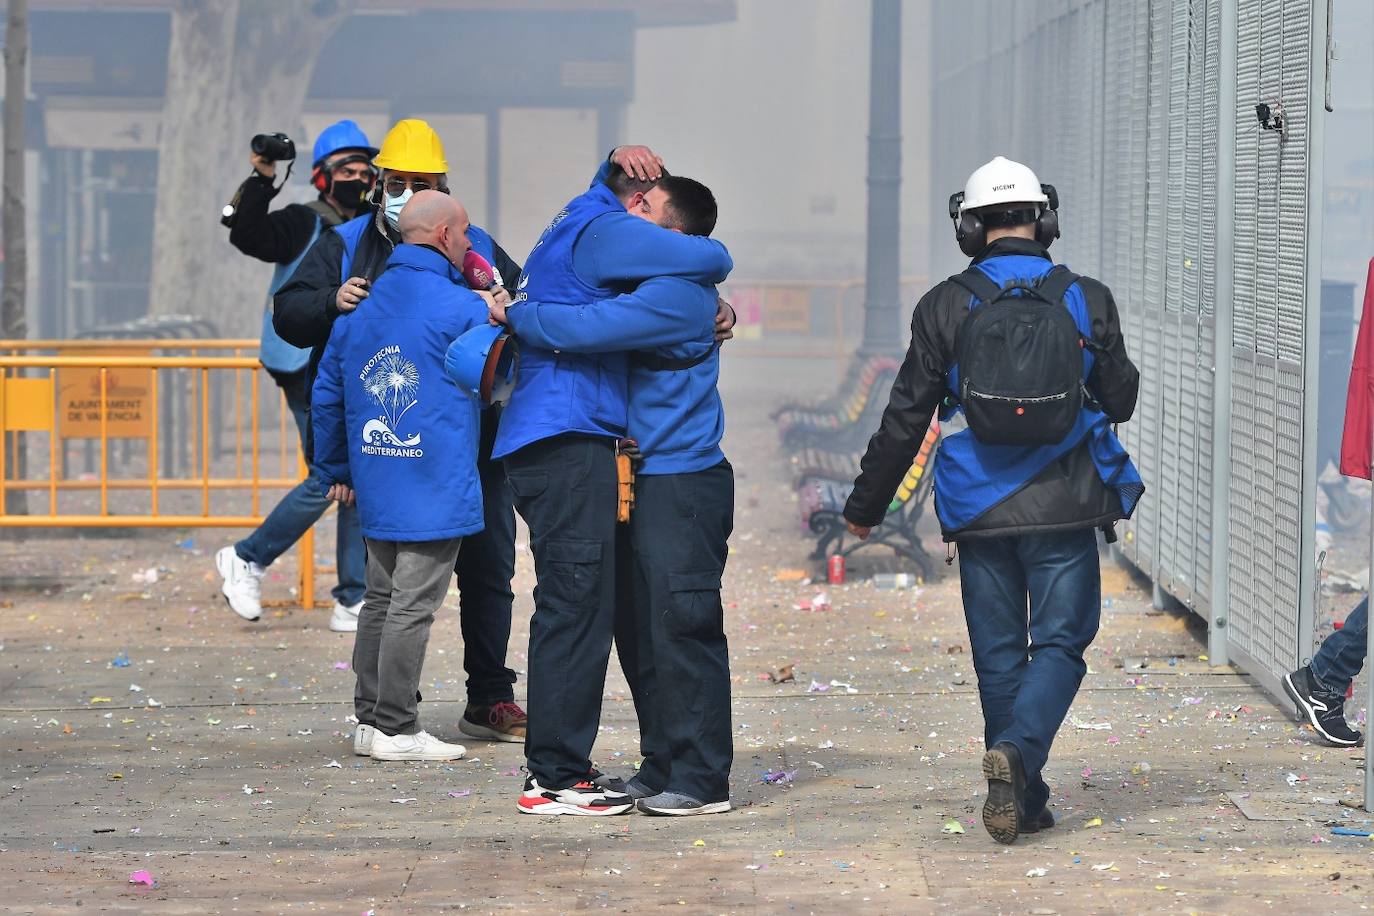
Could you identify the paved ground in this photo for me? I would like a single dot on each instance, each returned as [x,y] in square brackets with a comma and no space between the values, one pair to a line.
[146,729]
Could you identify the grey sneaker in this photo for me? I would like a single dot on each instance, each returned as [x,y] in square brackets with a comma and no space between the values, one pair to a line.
[636,788]
[675,804]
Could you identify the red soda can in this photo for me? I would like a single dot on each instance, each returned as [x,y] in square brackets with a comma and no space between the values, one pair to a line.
[835,569]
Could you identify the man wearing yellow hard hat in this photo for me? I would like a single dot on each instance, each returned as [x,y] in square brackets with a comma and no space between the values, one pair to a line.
[331,280]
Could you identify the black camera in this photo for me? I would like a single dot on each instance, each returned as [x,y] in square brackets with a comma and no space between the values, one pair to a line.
[277,147]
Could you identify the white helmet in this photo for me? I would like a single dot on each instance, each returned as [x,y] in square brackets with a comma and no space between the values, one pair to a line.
[1002,181]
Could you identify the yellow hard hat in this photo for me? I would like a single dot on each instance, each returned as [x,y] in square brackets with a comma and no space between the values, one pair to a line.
[412,146]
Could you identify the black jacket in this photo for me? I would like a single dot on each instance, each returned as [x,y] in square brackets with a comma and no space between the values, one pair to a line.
[303,311]
[277,237]
[1069,493]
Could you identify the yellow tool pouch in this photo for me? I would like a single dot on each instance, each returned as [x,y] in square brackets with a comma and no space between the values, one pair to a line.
[625,478]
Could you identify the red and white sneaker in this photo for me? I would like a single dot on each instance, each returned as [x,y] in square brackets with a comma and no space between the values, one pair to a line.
[584,799]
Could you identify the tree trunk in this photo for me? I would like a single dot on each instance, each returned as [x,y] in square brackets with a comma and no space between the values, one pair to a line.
[235,68]
[13,323]
[16,250]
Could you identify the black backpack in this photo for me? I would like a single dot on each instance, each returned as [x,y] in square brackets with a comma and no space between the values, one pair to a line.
[1020,357]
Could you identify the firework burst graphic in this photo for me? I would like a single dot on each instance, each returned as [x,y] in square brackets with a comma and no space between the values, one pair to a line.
[392,384]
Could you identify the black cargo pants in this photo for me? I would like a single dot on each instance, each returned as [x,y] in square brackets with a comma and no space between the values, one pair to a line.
[678,534]
[565,489]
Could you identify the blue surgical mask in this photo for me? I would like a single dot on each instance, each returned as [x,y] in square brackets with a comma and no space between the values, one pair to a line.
[394,205]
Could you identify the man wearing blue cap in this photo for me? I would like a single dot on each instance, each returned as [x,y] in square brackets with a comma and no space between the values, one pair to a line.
[343,175]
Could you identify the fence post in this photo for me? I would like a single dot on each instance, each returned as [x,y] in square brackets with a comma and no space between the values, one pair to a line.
[307,542]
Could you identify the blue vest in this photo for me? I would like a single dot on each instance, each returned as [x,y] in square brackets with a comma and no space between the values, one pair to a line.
[972,477]
[558,393]
[273,352]
[352,232]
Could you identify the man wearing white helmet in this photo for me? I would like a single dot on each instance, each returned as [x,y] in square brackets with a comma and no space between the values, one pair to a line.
[1032,355]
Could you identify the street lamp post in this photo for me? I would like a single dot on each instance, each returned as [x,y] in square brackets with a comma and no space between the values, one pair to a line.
[881,331]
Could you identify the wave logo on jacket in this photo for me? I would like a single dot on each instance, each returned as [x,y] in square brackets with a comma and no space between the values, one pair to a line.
[391,382]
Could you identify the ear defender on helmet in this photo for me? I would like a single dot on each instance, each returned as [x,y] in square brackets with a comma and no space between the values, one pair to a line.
[969,230]
[1047,226]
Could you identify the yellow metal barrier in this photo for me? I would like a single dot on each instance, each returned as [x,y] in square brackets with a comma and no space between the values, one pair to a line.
[116,394]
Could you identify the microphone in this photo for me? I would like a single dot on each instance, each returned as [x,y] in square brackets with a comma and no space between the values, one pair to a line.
[478,271]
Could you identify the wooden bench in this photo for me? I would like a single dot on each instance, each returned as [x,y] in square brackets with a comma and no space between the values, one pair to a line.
[853,412]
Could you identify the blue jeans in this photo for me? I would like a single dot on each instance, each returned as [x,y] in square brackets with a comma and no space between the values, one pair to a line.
[1341,655]
[302,508]
[1032,603]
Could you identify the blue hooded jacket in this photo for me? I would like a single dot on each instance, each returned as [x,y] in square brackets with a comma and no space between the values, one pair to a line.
[675,415]
[388,422]
[591,250]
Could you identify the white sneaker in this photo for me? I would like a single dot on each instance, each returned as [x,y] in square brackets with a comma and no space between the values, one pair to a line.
[242,586]
[362,740]
[419,746]
[345,617]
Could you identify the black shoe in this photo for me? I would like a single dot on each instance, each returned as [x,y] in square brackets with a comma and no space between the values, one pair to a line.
[606,781]
[1002,817]
[1321,706]
[1043,821]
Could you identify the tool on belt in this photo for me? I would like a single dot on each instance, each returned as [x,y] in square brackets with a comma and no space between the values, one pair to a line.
[627,458]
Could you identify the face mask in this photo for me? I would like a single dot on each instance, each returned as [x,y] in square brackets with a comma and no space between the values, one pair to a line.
[394,205]
[350,194]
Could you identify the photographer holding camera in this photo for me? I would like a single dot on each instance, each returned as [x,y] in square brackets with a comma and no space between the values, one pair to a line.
[342,172]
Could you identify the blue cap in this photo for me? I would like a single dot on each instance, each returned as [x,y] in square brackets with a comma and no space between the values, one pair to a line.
[483,361]
[343,134]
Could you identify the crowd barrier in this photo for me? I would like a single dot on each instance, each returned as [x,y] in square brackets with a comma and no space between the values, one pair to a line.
[176,429]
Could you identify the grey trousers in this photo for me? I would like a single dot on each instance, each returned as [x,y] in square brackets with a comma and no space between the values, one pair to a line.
[406,584]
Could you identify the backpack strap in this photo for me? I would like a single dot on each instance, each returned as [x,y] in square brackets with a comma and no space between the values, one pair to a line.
[980,285]
[1055,284]
[655,363]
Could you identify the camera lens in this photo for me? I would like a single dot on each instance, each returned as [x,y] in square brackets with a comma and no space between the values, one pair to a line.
[277,147]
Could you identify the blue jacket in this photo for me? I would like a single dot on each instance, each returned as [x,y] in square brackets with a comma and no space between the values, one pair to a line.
[591,250]
[675,415]
[387,420]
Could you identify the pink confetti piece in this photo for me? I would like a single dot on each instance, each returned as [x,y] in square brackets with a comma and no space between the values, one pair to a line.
[142,877]
[341,666]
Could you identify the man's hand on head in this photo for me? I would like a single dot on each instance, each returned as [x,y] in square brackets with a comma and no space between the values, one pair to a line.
[639,161]
[725,320]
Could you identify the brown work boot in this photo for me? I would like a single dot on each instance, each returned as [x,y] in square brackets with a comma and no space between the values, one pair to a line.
[498,722]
